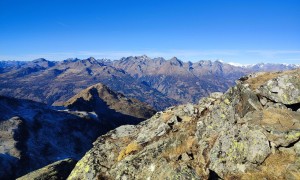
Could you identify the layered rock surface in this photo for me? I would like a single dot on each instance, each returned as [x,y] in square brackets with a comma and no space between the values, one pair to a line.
[245,133]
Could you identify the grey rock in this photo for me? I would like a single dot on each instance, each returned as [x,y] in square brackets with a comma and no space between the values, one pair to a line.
[297,148]
[189,109]
[216,95]
[263,101]
[283,89]
[162,129]
[124,131]
[275,105]
[185,157]
[239,147]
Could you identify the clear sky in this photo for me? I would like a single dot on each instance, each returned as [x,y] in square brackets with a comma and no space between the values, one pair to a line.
[241,31]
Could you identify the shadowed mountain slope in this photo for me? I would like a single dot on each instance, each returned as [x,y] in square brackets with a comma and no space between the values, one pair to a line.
[34,134]
[110,106]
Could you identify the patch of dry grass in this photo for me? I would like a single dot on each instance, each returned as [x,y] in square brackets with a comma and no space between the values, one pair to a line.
[186,146]
[261,79]
[275,167]
[256,82]
[280,118]
[130,148]
[166,116]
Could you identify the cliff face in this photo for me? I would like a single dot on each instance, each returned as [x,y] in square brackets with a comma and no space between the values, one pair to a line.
[251,131]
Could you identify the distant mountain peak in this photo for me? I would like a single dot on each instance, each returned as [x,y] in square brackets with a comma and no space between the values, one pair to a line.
[40,60]
[144,57]
[176,61]
[91,59]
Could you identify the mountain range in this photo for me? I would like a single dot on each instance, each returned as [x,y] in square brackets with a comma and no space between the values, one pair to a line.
[158,82]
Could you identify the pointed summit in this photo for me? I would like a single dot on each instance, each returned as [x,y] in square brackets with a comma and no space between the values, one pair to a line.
[91,59]
[144,57]
[42,62]
[39,60]
[139,58]
[175,61]
[107,103]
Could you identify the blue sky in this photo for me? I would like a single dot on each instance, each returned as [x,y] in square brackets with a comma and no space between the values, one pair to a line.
[248,31]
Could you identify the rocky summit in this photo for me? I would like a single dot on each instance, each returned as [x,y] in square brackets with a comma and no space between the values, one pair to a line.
[111,109]
[99,98]
[252,131]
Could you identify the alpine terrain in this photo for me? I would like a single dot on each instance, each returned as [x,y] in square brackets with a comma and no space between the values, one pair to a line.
[33,134]
[252,131]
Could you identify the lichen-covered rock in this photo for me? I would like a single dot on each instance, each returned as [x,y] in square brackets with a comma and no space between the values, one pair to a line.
[284,89]
[241,134]
[56,171]
[238,149]
[282,126]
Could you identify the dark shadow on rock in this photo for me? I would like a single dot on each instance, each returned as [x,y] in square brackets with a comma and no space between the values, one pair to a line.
[109,118]
[57,170]
[213,175]
[7,167]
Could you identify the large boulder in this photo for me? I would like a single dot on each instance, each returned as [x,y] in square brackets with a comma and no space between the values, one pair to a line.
[283,89]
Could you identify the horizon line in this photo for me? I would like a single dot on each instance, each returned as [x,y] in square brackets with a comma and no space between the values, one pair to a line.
[166,59]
